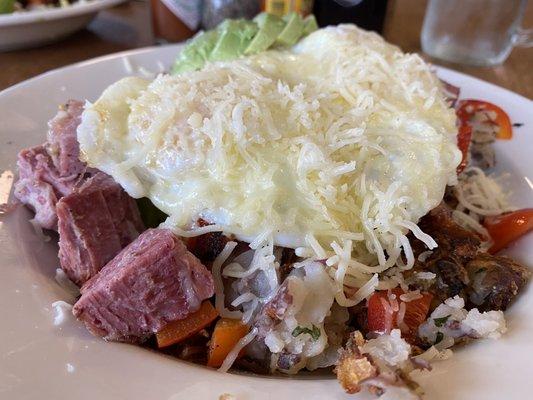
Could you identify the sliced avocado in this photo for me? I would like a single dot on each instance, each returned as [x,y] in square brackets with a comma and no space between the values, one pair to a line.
[196,52]
[7,6]
[235,36]
[292,31]
[310,25]
[270,26]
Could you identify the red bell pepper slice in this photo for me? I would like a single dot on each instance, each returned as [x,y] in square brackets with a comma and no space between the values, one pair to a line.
[464,137]
[494,115]
[382,320]
[467,109]
[506,228]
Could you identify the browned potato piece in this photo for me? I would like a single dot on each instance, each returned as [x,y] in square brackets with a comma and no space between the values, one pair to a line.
[495,281]
[353,367]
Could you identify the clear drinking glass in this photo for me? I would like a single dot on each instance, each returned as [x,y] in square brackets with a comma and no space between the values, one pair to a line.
[475,32]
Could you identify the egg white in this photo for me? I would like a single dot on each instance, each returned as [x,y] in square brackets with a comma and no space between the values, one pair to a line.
[341,137]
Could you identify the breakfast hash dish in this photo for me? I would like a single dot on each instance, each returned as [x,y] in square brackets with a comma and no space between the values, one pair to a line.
[286,199]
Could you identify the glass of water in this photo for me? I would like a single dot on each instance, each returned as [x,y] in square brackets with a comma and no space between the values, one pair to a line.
[475,32]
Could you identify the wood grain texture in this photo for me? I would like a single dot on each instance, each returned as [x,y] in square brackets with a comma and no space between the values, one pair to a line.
[128,26]
[124,27]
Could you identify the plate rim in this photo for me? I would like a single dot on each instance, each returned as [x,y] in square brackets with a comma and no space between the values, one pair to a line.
[82,63]
[146,49]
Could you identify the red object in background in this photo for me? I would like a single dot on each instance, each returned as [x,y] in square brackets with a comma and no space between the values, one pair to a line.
[505,229]
[382,321]
[166,25]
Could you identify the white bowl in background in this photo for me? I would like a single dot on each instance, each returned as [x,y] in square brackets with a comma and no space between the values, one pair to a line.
[43,26]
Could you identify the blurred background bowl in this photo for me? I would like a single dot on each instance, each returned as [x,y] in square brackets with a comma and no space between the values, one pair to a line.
[39,27]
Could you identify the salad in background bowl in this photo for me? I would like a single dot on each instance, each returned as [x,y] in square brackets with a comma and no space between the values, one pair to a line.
[31,24]
[14,6]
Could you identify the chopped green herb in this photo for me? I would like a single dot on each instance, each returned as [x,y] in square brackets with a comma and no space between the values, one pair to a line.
[439,338]
[314,333]
[440,321]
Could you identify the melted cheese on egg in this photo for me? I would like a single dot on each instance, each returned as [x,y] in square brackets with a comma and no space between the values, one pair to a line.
[341,138]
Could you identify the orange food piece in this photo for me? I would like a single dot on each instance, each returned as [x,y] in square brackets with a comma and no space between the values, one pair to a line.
[464,137]
[506,228]
[226,335]
[177,331]
[415,312]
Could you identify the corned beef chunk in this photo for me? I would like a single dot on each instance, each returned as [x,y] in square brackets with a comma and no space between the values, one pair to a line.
[96,221]
[151,282]
[52,170]
[62,143]
[34,188]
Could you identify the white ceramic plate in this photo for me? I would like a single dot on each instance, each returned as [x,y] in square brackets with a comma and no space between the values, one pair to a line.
[39,27]
[40,361]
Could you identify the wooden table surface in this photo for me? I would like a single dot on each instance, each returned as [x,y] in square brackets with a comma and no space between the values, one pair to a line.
[128,26]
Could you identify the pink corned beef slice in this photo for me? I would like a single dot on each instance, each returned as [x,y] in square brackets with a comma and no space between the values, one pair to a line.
[96,221]
[51,170]
[153,281]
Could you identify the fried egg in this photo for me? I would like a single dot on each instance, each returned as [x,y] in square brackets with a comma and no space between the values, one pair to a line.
[342,137]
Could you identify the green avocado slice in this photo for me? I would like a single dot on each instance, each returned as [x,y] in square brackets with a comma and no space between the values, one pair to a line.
[235,36]
[196,52]
[270,26]
[310,25]
[292,31]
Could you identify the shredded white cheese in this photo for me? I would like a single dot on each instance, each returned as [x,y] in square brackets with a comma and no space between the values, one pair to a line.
[219,285]
[481,195]
[335,147]
[426,275]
